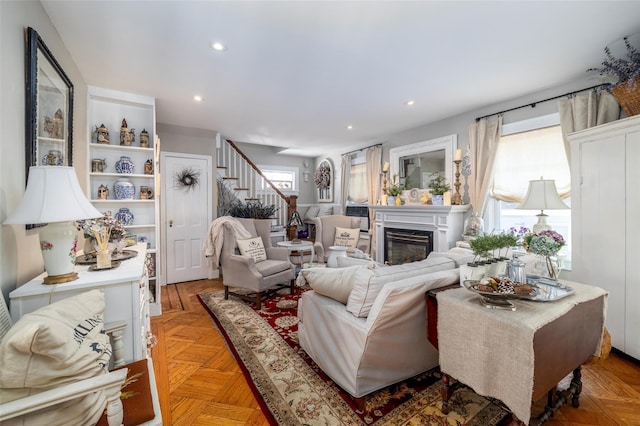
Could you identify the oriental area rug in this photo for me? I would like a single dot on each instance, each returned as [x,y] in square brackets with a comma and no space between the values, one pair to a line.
[293,390]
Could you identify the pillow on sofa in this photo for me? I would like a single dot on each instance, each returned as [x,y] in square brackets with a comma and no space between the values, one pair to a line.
[311,213]
[368,282]
[346,237]
[335,283]
[325,210]
[253,247]
[55,345]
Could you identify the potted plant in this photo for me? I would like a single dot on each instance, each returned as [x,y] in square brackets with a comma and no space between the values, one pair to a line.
[626,76]
[438,186]
[393,191]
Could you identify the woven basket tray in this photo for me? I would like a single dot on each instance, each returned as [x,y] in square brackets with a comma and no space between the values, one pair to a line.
[629,99]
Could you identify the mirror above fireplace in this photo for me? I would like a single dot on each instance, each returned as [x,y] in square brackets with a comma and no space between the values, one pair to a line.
[419,162]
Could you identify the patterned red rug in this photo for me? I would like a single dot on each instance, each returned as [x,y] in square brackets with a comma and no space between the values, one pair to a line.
[293,390]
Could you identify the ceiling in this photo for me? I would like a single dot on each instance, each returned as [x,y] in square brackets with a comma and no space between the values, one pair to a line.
[295,74]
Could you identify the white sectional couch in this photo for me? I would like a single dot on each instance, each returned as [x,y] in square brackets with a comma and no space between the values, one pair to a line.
[378,337]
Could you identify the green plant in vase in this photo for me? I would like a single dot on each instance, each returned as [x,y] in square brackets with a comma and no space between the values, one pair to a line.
[438,186]
[394,189]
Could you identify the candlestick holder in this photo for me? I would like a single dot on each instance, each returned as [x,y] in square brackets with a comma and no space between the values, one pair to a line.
[457,197]
[383,198]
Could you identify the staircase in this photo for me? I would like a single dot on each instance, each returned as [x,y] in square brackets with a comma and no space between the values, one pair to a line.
[241,178]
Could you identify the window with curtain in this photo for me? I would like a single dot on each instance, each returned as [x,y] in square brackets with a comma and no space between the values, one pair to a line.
[358,191]
[526,156]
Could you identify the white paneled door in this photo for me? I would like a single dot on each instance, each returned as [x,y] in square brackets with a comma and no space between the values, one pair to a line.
[187,212]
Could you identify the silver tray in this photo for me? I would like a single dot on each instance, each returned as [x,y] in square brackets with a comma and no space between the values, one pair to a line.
[544,290]
[90,258]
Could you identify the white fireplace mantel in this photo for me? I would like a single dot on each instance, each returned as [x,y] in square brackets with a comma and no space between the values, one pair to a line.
[446,223]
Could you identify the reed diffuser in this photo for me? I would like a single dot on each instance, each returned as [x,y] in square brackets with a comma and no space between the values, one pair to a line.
[102,247]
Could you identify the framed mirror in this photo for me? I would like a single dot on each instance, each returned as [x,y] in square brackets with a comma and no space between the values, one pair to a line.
[49,107]
[418,163]
[323,179]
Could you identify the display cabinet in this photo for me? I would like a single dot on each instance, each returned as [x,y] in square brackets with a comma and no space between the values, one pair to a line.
[122,155]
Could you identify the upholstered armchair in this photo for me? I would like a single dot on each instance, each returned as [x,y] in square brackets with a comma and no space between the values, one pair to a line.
[261,269]
[326,233]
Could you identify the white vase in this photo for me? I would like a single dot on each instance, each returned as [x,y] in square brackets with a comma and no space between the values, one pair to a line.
[334,253]
[391,200]
[437,200]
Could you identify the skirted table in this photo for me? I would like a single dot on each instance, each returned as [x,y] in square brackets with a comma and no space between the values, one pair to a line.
[519,356]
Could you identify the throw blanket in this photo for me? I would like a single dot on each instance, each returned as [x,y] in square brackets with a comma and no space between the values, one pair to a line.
[213,243]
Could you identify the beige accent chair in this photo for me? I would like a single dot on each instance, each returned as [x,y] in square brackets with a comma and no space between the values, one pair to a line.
[326,232]
[258,277]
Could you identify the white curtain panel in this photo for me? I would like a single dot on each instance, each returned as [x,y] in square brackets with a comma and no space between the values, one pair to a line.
[484,136]
[586,110]
[344,182]
[374,168]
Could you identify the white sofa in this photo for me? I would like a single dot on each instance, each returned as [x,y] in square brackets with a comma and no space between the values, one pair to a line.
[365,350]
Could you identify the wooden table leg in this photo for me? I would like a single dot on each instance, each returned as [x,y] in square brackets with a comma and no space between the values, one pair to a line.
[445,393]
[573,392]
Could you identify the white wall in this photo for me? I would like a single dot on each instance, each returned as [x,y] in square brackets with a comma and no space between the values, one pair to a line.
[20,258]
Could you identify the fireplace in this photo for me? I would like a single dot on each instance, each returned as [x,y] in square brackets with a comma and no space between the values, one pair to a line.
[406,245]
[443,224]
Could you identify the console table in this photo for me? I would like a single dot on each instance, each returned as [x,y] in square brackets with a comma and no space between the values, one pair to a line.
[519,356]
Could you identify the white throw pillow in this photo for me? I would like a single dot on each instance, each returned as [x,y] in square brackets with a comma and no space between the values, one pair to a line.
[335,283]
[55,345]
[253,247]
[312,213]
[346,237]
[364,292]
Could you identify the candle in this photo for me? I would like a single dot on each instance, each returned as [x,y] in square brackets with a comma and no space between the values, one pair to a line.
[458,155]
[385,168]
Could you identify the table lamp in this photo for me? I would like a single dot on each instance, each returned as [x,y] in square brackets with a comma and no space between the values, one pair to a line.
[542,195]
[53,196]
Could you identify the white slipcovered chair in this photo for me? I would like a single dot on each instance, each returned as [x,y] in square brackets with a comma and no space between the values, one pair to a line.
[43,403]
[325,227]
[259,277]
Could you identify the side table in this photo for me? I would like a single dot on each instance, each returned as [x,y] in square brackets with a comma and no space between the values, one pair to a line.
[298,250]
[519,356]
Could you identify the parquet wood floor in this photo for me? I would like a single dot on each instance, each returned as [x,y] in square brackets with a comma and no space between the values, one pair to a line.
[199,382]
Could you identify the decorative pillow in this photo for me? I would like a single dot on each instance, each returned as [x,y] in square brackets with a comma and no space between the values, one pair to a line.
[325,210]
[253,247]
[346,261]
[364,292]
[346,237]
[335,283]
[312,213]
[55,345]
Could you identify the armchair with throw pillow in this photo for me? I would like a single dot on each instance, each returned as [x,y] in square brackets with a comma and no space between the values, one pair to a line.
[252,263]
[337,230]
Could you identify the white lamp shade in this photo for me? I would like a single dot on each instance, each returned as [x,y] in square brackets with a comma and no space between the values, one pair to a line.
[53,194]
[542,195]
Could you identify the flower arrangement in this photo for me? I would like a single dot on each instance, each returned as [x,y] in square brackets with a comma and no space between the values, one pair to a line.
[322,177]
[546,244]
[91,227]
[623,70]
[394,189]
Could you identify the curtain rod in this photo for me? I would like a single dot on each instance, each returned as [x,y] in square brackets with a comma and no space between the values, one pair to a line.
[533,104]
[362,149]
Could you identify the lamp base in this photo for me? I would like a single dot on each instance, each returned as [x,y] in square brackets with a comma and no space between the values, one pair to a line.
[542,224]
[58,279]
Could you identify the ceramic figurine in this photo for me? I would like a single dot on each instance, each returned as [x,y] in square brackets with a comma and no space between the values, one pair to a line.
[98,165]
[146,193]
[124,189]
[102,134]
[144,139]
[126,135]
[55,126]
[53,158]
[148,167]
[125,165]
[103,192]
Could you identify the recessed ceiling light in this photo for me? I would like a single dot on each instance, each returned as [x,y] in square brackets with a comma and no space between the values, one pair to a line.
[197,98]
[218,46]
[410,103]
[349,127]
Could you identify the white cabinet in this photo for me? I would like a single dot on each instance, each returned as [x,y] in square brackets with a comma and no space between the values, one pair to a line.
[605,216]
[125,290]
[110,108]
